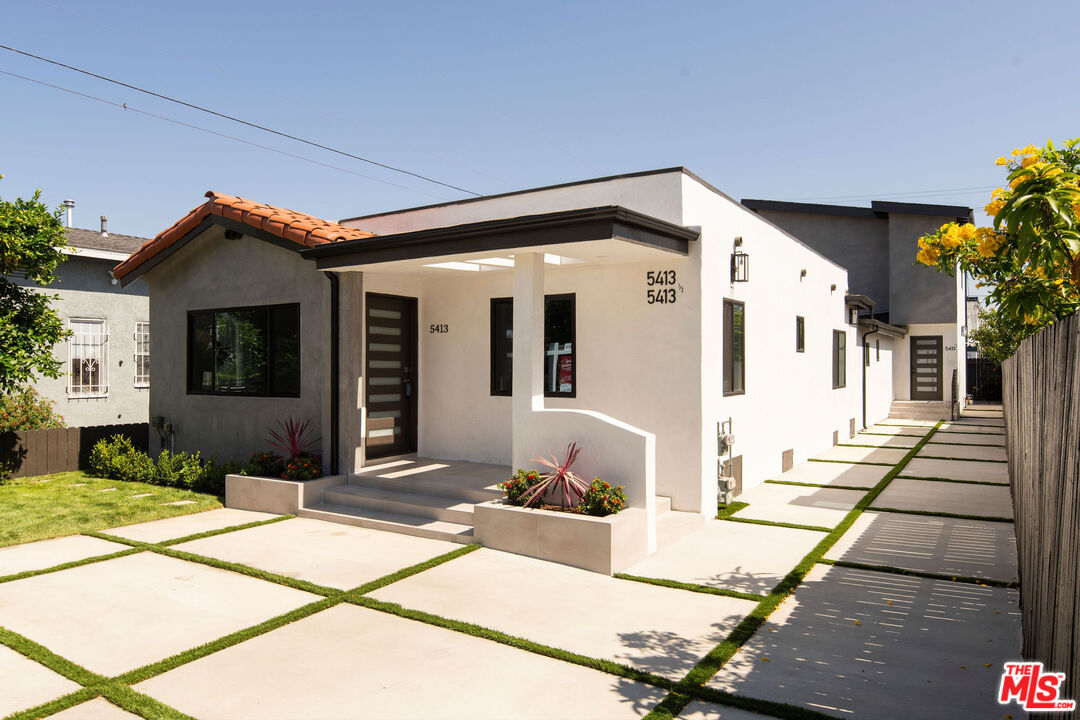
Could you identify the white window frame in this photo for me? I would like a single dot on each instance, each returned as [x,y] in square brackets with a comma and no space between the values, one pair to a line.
[142,335]
[95,345]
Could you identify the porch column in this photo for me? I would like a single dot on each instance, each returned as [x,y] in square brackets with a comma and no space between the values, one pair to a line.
[528,387]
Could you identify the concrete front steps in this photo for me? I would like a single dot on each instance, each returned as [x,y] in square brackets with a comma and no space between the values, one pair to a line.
[443,512]
[920,410]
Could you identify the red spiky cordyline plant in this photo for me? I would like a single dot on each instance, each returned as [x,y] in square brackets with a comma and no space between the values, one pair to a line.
[560,478]
[292,441]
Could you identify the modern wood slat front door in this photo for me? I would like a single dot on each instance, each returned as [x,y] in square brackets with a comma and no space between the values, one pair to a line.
[390,375]
[926,369]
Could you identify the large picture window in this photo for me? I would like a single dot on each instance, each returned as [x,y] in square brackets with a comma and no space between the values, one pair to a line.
[560,371]
[839,359]
[734,347]
[245,351]
[88,359]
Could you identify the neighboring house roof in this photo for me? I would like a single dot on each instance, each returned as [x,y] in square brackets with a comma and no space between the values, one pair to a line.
[268,221]
[94,240]
[877,209]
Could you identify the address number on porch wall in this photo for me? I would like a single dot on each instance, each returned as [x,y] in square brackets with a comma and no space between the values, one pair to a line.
[660,286]
[444,328]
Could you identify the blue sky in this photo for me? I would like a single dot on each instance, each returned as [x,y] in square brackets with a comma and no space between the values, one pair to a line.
[831,101]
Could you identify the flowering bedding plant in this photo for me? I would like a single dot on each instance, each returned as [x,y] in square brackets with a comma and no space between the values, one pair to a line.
[517,485]
[303,467]
[602,498]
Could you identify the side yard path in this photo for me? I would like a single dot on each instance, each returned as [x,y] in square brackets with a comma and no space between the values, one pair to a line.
[876,581]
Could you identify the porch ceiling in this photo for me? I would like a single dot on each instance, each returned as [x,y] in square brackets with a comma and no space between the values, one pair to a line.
[593,235]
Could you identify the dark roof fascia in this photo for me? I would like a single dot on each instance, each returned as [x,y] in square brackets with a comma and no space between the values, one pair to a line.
[208,222]
[557,228]
[960,212]
[813,208]
[559,186]
[858,300]
[886,328]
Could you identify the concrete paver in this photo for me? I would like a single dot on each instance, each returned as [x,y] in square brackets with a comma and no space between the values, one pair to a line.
[350,662]
[830,473]
[908,422]
[960,438]
[324,553]
[157,531]
[957,498]
[922,648]
[963,452]
[846,453]
[982,421]
[947,546]
[657,629]
[959,427]
[48,553]
[736,556]
[700,710]
[823,507]
[992,472]
[25,684]
[880,440]
[120,614]
[96,709]
[899,430]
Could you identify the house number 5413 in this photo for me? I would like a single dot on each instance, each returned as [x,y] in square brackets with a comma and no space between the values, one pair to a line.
[660,287]
[444,328]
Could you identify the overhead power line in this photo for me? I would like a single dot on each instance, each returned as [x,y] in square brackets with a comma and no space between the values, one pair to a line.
[235,119]
[125,106]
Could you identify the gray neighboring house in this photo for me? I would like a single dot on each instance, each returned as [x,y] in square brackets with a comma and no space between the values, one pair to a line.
[877,245]
[105,373]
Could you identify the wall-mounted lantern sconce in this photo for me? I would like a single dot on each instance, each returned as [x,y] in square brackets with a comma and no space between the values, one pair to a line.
[853,313]
[740,264]
[832,288]
[802,273]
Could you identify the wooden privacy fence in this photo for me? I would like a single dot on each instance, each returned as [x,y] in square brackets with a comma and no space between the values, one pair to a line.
[42,452]
[1041,400]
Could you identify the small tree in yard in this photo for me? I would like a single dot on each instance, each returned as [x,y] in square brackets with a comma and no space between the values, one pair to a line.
[1031,254]
[31,238]
[995,337]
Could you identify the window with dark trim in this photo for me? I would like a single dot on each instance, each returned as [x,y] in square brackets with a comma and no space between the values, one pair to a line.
[800,333]
[866,354]
[560,330]
[877,350]
[839,359]
[734,347]
[245,351]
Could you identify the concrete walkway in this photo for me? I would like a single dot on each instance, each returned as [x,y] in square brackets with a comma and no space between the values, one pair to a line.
[909,612]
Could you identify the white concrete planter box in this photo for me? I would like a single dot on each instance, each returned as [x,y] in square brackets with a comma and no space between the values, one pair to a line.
[602,544]
[275,495]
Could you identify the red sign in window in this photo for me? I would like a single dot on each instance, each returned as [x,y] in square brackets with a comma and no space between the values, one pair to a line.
[566,373]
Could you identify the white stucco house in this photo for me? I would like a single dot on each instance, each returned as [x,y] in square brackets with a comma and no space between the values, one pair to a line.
[637,315]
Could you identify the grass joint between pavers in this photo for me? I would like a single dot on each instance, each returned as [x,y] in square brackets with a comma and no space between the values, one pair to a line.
[692,587]
[985,582]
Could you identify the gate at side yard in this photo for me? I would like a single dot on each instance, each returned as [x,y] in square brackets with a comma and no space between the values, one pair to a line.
[42,452]
[1041,400]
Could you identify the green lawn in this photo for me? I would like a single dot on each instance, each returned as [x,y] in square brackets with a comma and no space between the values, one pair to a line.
[37,508]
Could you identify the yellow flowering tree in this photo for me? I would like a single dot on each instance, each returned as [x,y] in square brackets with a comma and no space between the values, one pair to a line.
[1031,254]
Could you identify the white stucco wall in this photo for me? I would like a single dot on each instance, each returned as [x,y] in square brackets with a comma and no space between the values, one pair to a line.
[789,401]
[879,378]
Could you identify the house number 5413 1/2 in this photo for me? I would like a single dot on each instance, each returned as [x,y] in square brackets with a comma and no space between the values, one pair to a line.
[444,328]
[660,286]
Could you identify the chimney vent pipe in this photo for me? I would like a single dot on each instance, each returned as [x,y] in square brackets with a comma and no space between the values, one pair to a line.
[104,226]
[69,204]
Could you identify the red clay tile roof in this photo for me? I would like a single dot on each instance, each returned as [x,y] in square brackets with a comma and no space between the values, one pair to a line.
[297,227]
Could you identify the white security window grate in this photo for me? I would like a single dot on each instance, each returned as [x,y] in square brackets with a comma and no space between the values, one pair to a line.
[88,359]
[142,354]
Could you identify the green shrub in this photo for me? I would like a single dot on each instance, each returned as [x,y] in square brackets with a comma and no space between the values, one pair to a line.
[212,479]
[519,484]
[26,410]
[180,470]
[135,466]
[603,498]
[263,463]
[108,456]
